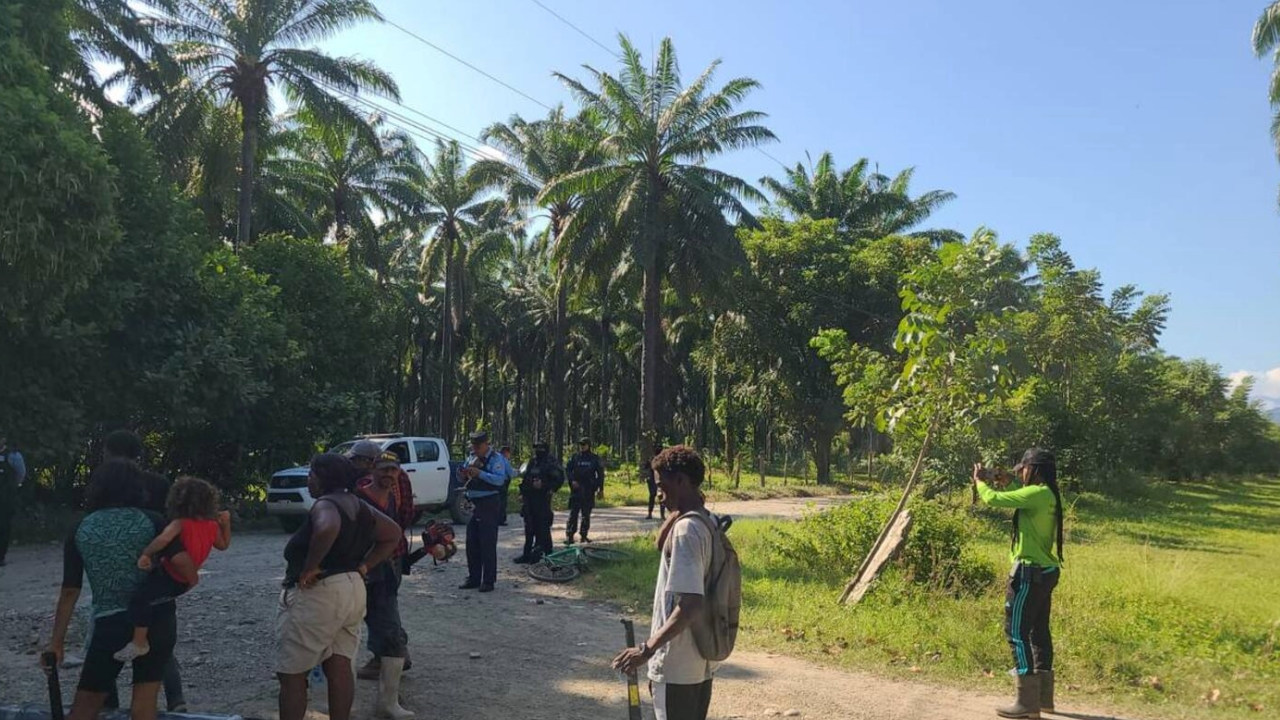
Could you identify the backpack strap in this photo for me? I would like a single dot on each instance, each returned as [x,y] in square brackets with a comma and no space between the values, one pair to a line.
[714,529]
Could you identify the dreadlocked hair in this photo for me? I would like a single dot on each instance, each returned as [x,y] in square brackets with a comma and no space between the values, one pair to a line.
[1046,475]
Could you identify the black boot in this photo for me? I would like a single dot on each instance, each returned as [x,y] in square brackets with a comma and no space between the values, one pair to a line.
[1046,690]
[1027,707]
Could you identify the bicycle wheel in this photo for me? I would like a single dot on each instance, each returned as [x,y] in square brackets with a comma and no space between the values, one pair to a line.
[606,554]
[553,573]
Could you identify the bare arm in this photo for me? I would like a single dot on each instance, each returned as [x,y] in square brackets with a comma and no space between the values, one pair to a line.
[67,599]
[72,580]
[325,525]
[688,607]
[223,541]
[166,536]
[386,536]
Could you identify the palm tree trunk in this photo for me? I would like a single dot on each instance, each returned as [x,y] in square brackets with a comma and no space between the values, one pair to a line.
[557,359]
[484,389]
[822,454]
[421,421]
[446,347]
[602,407]
[651,348]
[249,110]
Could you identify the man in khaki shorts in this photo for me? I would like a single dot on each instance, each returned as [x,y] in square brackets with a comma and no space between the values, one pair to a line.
[323,601]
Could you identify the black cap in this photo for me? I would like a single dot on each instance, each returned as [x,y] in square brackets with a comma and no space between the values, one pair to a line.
[1035,456]
[479,437]
[584,441]
[541,445]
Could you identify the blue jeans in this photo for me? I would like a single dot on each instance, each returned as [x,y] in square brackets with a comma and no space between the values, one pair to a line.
[387,637]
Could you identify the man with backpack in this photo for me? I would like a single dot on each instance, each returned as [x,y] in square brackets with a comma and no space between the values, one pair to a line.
[697,597]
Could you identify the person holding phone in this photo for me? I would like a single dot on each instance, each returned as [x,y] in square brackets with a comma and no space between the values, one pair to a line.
[1037,528]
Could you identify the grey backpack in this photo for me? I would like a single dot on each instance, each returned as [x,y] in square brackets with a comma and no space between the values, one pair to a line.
[717,631]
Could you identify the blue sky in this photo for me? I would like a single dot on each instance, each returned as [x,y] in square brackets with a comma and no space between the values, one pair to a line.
[1136,131]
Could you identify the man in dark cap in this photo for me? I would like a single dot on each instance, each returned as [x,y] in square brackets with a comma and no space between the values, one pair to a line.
[586,484]
[388,640]
[542,477]
[483,475]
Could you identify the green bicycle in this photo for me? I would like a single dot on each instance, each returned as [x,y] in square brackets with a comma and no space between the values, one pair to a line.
[564,565]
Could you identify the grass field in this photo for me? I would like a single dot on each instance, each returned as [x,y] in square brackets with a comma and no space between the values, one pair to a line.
[1169,603]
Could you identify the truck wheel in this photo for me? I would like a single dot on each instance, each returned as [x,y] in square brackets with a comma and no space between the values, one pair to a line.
[290,523]
[460,508]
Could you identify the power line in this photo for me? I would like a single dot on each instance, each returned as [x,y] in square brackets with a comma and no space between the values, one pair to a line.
[439,49]
[579,30]
[427,133]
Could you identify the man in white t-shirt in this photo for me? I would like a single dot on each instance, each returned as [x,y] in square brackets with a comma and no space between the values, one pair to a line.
[679,677]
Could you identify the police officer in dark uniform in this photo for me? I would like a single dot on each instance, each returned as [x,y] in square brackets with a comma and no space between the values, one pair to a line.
[651,479]
[542,476]
[586,484]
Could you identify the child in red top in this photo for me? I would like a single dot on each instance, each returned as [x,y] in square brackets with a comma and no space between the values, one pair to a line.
[199,527]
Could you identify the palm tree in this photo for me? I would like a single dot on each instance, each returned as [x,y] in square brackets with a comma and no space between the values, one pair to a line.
[116,31]
[1266,39]
[339,175]
[537,153]
[866,205]
[452,210]
[664,199]
[240,49]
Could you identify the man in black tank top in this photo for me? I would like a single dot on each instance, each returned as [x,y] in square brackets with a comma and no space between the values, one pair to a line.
[323,603]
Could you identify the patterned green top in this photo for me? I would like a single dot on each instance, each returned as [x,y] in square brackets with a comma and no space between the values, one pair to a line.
[105,545]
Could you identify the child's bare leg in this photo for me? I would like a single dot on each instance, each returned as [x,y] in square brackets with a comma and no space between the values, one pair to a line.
[136,648]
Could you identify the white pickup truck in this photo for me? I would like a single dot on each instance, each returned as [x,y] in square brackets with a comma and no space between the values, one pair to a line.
[424,459]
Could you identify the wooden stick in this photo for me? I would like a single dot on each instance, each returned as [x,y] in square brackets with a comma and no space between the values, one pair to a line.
[884,532]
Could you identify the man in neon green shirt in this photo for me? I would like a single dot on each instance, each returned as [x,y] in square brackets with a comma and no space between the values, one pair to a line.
[1037,528]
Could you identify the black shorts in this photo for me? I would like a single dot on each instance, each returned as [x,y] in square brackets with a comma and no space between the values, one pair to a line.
[112,633]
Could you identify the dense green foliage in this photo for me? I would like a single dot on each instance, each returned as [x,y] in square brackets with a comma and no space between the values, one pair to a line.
[244,287]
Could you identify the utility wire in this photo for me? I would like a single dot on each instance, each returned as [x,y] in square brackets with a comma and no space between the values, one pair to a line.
[579,30]
[419,130]
[439,49]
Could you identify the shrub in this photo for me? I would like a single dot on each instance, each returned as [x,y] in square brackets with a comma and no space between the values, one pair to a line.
[832,544]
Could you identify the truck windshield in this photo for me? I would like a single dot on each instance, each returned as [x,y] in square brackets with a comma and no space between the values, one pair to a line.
[342,448]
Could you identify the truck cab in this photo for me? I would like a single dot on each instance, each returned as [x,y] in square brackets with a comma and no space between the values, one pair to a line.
[424,459]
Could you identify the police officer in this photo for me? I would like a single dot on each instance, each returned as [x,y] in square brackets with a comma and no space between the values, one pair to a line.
[13,470]
[483,475]
[542,477]
[586,484]
[651,479]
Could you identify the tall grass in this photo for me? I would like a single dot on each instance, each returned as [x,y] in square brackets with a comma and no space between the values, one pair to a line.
[1169,602]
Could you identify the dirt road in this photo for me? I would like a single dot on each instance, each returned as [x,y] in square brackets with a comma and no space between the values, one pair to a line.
[543,649]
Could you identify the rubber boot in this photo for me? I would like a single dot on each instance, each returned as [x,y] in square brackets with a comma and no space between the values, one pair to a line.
[388,703]
[1027,706]
[1046,691]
